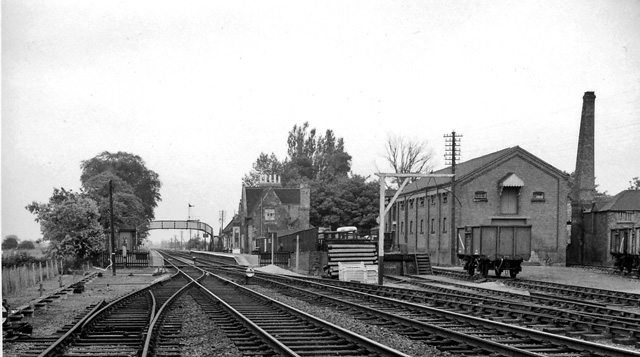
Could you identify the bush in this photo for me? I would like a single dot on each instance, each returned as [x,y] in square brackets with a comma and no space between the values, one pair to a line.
[27,244]
[10,242]
[19,258]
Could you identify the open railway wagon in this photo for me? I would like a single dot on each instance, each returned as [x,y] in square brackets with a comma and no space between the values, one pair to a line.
[625,249]
[501,248]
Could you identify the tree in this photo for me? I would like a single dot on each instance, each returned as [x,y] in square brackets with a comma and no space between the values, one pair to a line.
[311,158]
[264,165]
[10,242]
[128,209]
[132,170]
[634,184]
[26,244]
[408,155]
[70,223]
[330,160]
[344,202]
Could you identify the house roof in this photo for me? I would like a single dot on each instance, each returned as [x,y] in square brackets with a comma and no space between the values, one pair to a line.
[627,200]
[470,168]
[288,196]
[235,221]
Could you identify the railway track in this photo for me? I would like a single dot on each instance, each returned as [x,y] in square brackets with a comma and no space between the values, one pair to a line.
[115,329]
[260,325]
[581,293]
[450,331]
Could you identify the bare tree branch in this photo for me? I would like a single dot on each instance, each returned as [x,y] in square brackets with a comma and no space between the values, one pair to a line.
[406,155]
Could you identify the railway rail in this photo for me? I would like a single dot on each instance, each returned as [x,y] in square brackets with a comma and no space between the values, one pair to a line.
[582,293]
[460,322]
[117,328]
[263,326]
[451,331]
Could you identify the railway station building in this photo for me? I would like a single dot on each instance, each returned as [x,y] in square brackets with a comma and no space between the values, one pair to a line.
[510,187]
[268,209]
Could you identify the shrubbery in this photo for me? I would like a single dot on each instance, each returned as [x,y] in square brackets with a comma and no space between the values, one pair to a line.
[20,258]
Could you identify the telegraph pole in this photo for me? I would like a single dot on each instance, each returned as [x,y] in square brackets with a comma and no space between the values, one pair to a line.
[113,234]
[452,154]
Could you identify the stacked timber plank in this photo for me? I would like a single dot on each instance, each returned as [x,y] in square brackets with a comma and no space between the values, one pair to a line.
[351,252]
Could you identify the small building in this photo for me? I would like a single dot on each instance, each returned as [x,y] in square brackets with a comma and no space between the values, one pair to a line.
[611,221]
[230,236]
[270,208]
[507,187]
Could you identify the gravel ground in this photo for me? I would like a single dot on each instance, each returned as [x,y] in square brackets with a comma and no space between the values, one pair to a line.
[195,343]
[375,333]
[200,336]
[59,313]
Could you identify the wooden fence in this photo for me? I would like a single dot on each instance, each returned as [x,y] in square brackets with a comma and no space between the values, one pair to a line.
[280,258]
[22,277]
[135,259]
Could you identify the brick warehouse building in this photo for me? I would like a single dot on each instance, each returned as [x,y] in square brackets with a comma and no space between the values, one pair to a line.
[269,208]
[507,187]
[608,224]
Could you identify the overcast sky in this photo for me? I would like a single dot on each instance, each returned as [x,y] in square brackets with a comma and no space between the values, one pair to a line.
[200,89]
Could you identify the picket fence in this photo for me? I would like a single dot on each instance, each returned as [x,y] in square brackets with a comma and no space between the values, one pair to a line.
[16,278]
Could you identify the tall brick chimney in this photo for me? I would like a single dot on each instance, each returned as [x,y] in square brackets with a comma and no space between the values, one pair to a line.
[584,184]
[583,191]
[305,205]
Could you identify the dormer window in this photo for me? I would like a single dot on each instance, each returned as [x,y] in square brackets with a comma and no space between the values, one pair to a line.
[510,187]
[269,214]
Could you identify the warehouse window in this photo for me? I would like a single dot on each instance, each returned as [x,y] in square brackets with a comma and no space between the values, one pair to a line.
[411,203]
[537,197]
[433,225]
[411,227]
[444,197]
[433,199]
[509,200]
[444,225]
[509,193]
[422,226]
[401,227]
[421,201]
[480,196]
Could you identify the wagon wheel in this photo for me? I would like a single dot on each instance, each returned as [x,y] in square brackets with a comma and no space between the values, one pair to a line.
[513,273]
[471,267]
[484,269]
[498,272]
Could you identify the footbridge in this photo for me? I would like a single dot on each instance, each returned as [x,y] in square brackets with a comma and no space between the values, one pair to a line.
[188,224]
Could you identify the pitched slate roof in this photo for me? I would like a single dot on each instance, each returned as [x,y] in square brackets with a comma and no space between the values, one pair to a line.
[235,221]
[288,196]
[470,168]
[627,200]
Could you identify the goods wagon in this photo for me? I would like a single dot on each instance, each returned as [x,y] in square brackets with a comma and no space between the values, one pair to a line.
[501,248]
[625,249]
